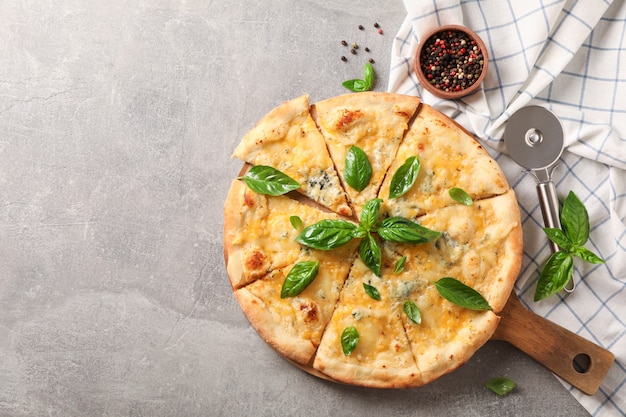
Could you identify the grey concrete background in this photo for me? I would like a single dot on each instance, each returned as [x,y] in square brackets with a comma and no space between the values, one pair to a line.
[117,122]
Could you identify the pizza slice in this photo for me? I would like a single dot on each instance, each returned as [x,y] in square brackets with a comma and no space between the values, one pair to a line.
[288,139]
[449,158]
[293,325]
[444,336]
[372,122]
[481,246]
[259,236]
[382,356]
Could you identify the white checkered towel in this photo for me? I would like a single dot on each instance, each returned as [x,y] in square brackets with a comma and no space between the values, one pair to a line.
[570,57]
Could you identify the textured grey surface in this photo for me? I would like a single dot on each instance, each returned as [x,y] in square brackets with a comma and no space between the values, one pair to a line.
[117,122]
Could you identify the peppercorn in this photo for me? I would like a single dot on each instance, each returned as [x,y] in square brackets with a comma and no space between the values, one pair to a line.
[371,60]
[343,58]
[361,27]
[353,51]
[344,43]
[451,60]
[380,31]
[367,49]
[376,25]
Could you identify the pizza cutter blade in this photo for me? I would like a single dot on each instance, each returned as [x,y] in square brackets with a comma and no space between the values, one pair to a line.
[534,139]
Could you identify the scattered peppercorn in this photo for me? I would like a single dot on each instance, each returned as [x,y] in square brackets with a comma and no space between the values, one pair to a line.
[353,51]
[376,25]
[380,31]
[344,43]
[343,58]
[367,49]
[371,60]
[451,60]
[361,27]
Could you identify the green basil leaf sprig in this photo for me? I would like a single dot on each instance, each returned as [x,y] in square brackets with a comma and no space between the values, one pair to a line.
[461,196]
[573,234]
[358,170]
[404,177]
[412,311]
[330,234]
[366,84]
[401,230]
[554,275]
[370,212]
[460,294]
[399,266]
[298,278]
[296,222]
[349,340]
[501,385]
[371,291]
[327,234]
[370,253]
[264,179]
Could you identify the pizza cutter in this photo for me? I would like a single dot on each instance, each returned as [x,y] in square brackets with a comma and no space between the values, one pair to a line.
[534,139]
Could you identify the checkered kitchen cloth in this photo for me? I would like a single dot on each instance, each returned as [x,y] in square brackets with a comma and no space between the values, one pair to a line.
[570,57]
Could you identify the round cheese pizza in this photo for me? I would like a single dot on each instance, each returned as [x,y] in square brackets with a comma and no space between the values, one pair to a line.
[370,240]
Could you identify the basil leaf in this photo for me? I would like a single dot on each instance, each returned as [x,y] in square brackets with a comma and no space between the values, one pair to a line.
[460,294]
[555,274]
[369,214]
[370,253]
[460,196]
[404,177]
[575,220]
[327,234]
[349,340]
[399,267]
[298,278]
[412,312]
[358,170]
[268,180]
[360,232]
[559,237]
[401,230]
[371,291]
[356,85]
[296,222]
[501,385]
[368,75]
[365,84]
[588,256]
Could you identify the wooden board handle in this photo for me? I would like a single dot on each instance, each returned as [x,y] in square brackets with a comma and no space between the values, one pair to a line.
[568,355]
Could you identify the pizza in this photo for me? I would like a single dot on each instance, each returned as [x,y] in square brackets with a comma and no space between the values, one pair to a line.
[379,275]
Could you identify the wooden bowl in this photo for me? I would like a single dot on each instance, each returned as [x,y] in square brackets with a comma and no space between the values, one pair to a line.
[451,62]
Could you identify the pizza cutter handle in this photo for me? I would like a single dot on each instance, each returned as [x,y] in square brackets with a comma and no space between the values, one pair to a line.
[550,210]
[549,207]
[568,355]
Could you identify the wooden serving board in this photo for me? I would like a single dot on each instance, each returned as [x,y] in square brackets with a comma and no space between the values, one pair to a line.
[568,355]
